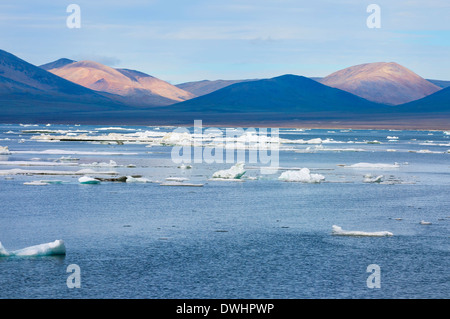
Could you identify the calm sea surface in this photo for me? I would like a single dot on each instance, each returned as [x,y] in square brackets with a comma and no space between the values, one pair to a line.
[259,238]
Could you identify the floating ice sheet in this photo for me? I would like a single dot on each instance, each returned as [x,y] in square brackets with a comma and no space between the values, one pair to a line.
[88,180]
[235,172]
[338,231]
[372,165]
[18,171]
[304,176]
[49,249]
[4,150]
[70,152]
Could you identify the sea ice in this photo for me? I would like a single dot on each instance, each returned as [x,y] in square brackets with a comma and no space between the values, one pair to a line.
[4,150]
[69,152]
[175,138]
[235,172]
[368,178]
[49,249]
[102,164]
[336,230]
[304,175]
[36,163]
[18,171]
[173,183]
[131,179]
[426,152]
[373,165]
[36,183]
[176,179]
[88,180]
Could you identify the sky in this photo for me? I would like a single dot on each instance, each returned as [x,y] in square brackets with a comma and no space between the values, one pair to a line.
[191,40]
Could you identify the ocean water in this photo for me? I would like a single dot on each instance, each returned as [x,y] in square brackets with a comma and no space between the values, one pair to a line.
[258,238]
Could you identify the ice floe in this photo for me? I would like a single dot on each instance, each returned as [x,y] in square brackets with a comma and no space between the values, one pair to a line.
[321,148]
[176,179]
[18,171]
[368,178]
[69,152]
[371,165]
[67,159]
[88,180]
[131,179]
[173,183]
[4,150]
[48,249]
[338,231]
[114,129]
[102,164]
[36,183]
[51,181]
[303,175]
[35,163]
[426,152]
[235,172]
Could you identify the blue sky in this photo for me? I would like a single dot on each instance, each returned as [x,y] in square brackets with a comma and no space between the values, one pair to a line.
[180,41]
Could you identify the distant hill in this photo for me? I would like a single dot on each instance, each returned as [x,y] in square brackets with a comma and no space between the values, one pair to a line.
[199,88]
[140,89]
[440,83]
[27,91]
[287,94]
[438,102]
[56,64]
[381,82]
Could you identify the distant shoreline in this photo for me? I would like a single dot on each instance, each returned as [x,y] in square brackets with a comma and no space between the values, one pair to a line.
[353,125]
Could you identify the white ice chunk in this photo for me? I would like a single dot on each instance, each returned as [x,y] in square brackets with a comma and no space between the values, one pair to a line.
[176,179]
[304,175]
[18,171]
[422,222]
[36,183]
[426,152]
[88,180]
[4,150]
[131,179]
[336,230]
[373,165]
[172,183]
[102,164]
[49,249]
[368,178]
[69,152]
[175,138]
[235,172]
[36,163]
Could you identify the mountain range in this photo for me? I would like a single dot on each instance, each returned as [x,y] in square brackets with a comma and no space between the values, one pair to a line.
[382,82]
[86,92]
[140,89]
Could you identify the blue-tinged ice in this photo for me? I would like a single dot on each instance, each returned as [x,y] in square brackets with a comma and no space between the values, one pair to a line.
[48,249]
